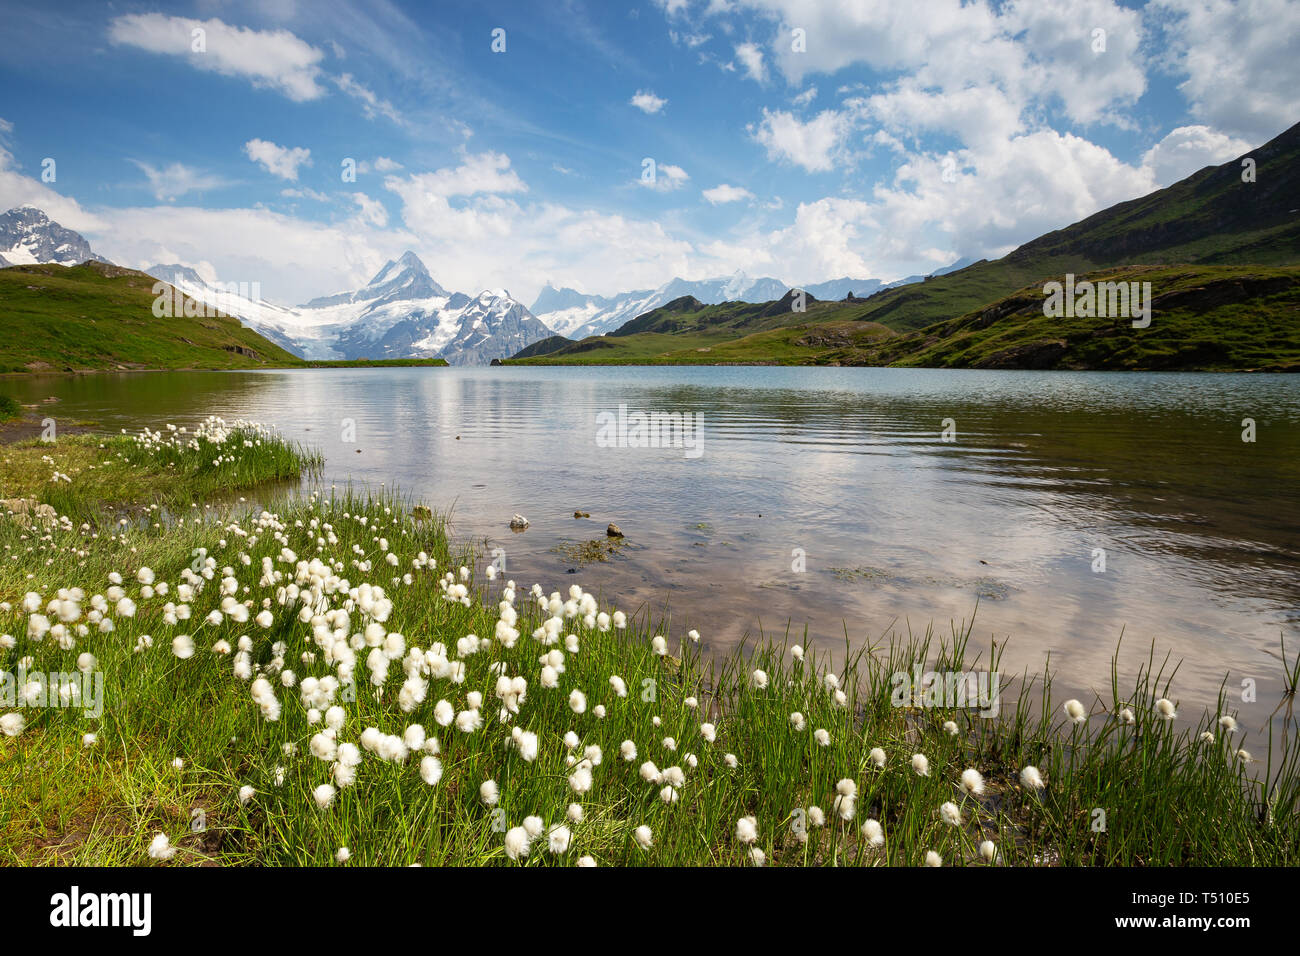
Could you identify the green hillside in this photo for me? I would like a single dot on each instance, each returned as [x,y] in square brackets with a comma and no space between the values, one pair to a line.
[100,316]
[1212,217]
[1202,317]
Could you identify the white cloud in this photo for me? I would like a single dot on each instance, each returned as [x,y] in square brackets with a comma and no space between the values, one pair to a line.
[371,104]
[270,59]
[1241,62]
[805,98]
[667,178]
[302,192]
[1190,148]
[647,102]
[1035,51]
[724,194]
[372,210]
[751,58]
[814,145]
[171,182]
[279,161]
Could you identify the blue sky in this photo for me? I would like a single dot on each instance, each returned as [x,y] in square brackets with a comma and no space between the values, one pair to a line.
[803,140]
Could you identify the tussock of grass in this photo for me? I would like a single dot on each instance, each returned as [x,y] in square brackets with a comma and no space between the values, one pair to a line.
[1168,796]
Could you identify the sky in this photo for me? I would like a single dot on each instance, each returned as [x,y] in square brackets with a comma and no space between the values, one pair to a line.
[613,146]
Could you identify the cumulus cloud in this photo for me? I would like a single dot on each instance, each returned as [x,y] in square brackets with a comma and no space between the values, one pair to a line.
[750,58]
[647,102]
[279,161]
[814,145]
[1190,148]
[1240,62]
[270,59]
[724,194]
[667,177]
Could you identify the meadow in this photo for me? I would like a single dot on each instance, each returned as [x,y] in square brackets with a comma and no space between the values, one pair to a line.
[326,678]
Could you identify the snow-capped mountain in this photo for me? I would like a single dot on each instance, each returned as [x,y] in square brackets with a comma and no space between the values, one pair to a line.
[400,313]
[28,236]
[577,315]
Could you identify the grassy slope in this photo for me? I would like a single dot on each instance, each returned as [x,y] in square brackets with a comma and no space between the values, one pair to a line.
[94,316]
[1211,217]
[1170,797]
[1203,317]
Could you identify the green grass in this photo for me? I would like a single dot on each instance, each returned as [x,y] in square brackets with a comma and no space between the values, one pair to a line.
[9,408]
[97,316]
[176,470]
[1213,318]
[1169,797]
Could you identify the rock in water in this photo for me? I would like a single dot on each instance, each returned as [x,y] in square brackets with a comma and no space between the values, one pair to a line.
[518,523]
[613,531]
[582,514]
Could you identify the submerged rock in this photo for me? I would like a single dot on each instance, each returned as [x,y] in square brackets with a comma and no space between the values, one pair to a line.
[613,531]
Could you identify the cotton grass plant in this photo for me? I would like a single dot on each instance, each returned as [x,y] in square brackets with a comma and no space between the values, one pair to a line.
[331,681]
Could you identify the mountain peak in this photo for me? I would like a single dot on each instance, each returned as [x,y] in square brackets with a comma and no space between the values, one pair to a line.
[29,236]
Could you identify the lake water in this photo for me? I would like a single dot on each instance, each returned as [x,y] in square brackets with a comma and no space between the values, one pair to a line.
[829,498]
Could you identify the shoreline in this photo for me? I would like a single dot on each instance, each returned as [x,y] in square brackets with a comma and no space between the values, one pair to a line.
[767,732]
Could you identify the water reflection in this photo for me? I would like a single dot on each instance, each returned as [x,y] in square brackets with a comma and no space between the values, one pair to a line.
[1201,531]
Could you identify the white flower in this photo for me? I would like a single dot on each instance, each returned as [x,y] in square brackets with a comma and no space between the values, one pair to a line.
[950,728]
[558,838]
[431,770]
[972,782]
[659,645]
[264,619]
[12,724]
[933,859]
[627,750]
[577,702]
[586,861]
[160,848]
[89,740]
[758,680]
[873,833]
[921,765]
[1165,708]
[516,842]
[877,756]
[644,838]
[574,813]
[797,721]
[1031,779]
[989,851]
[488,793]
[747,830]
[183,646]
[246,793]
[324,795]
[1127,716]
[1229,724]
[950,813]
[342,854]
[822,737]
[757,856]
[708,732]
[1075,710]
